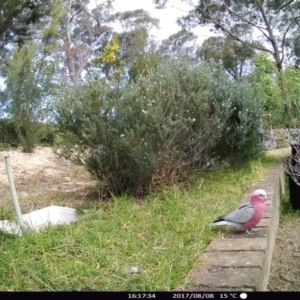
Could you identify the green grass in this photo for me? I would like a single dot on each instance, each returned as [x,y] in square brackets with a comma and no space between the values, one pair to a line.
[164,236]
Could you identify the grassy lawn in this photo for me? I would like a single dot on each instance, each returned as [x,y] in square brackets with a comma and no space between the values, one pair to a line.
[163,237]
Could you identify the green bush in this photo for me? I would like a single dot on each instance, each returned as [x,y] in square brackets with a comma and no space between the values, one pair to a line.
[28,91]
[240,137]
[279,91]
[8,134]
[29,132]
[9,137]
[48,134]
[159,128]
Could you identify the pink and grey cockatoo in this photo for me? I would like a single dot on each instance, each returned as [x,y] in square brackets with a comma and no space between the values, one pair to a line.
[246,216]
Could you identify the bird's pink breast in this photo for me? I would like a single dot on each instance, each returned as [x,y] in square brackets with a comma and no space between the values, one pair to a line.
[259,210]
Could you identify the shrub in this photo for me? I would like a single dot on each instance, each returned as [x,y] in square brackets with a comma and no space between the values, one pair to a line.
[240,136]
[8,135]
[28,91]
[279,91]
[29,132]
[48,134]
[159,128]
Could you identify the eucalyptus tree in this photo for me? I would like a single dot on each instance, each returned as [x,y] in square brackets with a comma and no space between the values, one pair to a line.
[81,34]
[263,25]
[235,57]
[180,44]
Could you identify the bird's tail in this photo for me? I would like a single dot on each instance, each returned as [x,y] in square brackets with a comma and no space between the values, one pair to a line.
[223,223]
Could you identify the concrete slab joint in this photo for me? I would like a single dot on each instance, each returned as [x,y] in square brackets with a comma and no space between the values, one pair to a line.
[239,262]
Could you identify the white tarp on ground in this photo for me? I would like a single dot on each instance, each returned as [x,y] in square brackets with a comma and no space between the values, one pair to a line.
[41,218]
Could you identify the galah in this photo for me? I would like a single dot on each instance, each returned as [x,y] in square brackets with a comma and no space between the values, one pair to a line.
[246,216]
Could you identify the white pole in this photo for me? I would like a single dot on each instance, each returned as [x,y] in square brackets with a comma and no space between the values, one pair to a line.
[14,194]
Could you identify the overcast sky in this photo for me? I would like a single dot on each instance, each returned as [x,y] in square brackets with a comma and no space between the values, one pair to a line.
[167,17]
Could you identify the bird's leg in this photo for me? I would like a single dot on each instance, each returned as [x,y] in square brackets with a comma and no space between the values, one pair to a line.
[251,231]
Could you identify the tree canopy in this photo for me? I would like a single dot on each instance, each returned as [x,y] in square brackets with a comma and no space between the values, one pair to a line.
[235,57]
[16,18]
[269,26]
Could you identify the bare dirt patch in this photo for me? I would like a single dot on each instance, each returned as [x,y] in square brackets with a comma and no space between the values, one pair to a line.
[43,178]
[285,269]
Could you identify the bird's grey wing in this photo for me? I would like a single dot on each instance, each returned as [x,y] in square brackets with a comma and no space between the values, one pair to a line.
[242,215]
